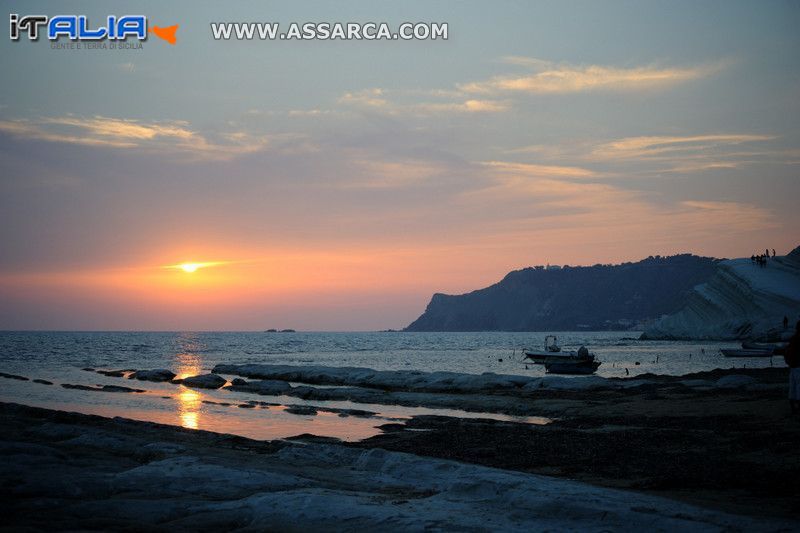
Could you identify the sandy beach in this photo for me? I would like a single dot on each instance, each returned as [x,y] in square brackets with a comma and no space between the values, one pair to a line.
[669,454]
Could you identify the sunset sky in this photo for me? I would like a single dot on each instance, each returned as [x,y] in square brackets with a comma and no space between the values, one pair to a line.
[338,185]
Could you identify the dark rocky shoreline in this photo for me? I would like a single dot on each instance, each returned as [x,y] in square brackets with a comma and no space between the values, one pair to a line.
[67,471]
[730,450]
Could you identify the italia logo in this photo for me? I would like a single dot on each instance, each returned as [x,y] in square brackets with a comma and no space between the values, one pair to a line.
[78,28]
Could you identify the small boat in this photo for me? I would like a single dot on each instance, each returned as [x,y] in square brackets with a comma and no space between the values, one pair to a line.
[578,367]
[552,353]
[747,353]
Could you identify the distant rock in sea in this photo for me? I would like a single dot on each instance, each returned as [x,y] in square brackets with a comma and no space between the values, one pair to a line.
[742,300]
[599,297]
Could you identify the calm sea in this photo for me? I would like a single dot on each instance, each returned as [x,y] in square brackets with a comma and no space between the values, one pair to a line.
[60,357]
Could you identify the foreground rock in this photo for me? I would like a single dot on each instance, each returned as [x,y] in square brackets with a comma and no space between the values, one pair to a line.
[159,374]
[740,463]
[204,381]
[79,472]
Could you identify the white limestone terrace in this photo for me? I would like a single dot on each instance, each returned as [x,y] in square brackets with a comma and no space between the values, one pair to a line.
[274,378]
[742,300]
[411,380]
[86,473]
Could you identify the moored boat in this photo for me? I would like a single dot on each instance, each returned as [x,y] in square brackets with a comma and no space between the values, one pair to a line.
[552,353]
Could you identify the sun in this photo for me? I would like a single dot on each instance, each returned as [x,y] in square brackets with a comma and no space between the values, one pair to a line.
[189,267]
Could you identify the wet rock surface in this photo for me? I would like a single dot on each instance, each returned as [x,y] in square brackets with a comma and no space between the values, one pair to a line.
[301,410]
[267,387]
[103,388]
[730,446]
[722,439]
[204,381]
[78,472]
[112,373]
[159,374]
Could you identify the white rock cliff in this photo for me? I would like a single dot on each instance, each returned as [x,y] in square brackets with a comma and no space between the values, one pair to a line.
[742,300]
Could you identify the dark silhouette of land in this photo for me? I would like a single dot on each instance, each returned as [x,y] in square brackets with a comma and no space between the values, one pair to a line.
[599,297]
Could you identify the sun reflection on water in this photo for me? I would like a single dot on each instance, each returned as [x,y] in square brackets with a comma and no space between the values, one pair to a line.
[188,364]
[189,408]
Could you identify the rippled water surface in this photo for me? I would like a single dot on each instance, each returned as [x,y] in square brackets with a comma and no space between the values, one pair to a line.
[458,352]
[60,357]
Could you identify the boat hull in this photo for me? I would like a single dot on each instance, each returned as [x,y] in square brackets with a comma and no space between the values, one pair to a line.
[553,357]
[577,368]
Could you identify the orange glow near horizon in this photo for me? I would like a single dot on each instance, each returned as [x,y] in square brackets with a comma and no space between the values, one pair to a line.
[216,286]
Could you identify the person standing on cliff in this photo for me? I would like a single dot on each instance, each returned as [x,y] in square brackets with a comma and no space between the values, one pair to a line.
[792,358]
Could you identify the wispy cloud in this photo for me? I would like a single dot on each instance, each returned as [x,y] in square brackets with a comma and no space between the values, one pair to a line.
[315,112]
[710,218]
[33,130]
[541,77]
[689,167]
[552,78]
[549,209]
[658,154]
[123,129]
[530,169]
[374,98]
[466,106]
[383,174]
[656,146]
[164,136]
[377,99]
[548,186]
